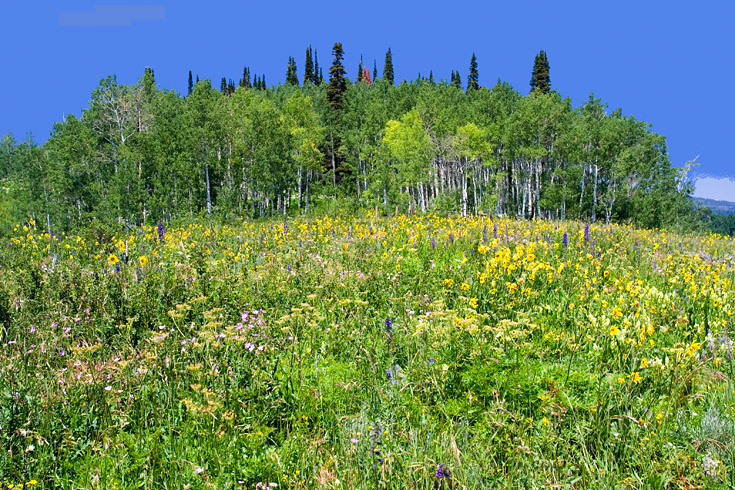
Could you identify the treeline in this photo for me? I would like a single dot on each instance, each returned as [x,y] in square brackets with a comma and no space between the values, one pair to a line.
[140,154]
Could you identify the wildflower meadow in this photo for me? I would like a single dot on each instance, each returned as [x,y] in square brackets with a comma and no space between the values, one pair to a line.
[421,352]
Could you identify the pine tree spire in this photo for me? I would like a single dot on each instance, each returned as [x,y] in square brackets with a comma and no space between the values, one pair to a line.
[540,80]
[375,70]
[359,70]
[337,83]
[388,67]
[309,67]
[245,81]
[317,71]
[223,85]
[472,78]
[291,76]
[456,80]
[190,85]
[366,76]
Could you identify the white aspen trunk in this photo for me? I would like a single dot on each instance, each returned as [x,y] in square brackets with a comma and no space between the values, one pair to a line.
[581,195]
[209,195]
[594,196]
[299,178]
[464,191]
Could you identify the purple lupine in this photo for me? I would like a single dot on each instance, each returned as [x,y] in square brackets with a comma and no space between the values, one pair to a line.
[161,231]
[565,239]
[587,232]
[441,471]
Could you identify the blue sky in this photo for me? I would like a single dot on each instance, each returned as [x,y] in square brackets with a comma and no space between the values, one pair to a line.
[669,63]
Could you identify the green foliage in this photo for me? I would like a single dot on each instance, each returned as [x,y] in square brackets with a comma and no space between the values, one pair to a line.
[309,73]
[337,82]
[291,76]
[540,80]
[473,77]
[140,154]
[388,68]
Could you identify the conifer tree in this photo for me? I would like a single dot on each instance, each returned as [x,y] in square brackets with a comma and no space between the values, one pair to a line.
[230,87]
[457,81]
[262,82]
[191,84]
[291,76]
[359,70]
[309,67]
[472,78]
[337,83]
[223,85]
[245,82]
[375,70]
[197,78]
[540,79]
[149,84]
[366,76]
[317,72]
[321,76]
[388,67]
[431,76]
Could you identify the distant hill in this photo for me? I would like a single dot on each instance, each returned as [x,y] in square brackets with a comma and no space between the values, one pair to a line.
[718,207]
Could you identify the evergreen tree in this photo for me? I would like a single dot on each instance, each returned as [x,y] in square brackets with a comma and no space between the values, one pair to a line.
[540,79]
[321,76]
[245,81]
[149,84]
[309,68]
[456,80]
[337,83]
[262,82]
[191,84]
[388,67]
[359,70]
[223,85]
[431,76]
[197,78]
[317,72]
[375,70]
[366,76]
[291,76]
[230,87]
[472,78]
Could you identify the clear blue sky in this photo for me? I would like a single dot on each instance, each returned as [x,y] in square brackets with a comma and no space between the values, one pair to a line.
[669,63]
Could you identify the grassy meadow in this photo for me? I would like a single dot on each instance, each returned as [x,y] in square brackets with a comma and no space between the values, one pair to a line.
[358,353]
